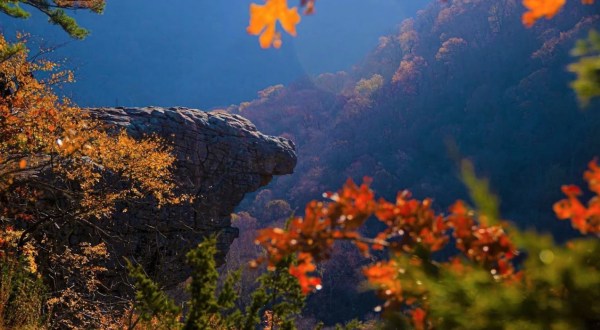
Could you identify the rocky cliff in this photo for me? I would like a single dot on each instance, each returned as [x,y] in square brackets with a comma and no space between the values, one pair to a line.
[220,158]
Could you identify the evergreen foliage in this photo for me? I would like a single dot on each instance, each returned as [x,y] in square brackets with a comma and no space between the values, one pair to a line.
[351,325]
[21,295]
[279,295]
[587,68]
[151,302]
[55,10]
[10,50]
[277,300]
[206,308]
[560,287]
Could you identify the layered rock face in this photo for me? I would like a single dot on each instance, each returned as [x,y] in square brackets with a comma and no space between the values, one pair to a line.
[220,158]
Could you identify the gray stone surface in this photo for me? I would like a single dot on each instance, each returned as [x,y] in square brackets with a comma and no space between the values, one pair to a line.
[220,157]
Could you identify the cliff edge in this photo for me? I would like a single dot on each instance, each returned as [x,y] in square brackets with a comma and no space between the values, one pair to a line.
[220,158]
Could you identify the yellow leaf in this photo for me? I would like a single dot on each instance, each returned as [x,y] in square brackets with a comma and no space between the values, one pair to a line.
[263,21]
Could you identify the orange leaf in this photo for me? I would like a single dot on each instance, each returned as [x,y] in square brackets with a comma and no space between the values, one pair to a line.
[363,247]
[418,318]
[562,209]
[592,176]
[571,190]
[300,271]
[263,20]
[540,8]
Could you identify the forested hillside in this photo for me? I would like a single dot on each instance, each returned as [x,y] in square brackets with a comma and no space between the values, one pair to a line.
[462,79]
[440,183]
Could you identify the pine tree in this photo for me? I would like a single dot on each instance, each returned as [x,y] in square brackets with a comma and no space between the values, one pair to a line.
[56,11]
[276,302]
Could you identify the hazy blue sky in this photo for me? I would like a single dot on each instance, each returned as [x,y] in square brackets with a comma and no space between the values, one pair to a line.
[196,53]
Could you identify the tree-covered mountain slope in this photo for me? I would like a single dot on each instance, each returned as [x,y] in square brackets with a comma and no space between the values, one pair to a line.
[461,79]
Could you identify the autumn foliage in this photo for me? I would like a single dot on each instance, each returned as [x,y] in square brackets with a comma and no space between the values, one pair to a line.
[538,9]
[585,219]
[60,168]
[413,232]
[42,134]
[411,225]
[263,19]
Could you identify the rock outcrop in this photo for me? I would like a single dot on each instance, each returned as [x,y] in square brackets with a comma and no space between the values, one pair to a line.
[220,158]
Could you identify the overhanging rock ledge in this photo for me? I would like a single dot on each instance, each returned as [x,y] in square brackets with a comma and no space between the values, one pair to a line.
[220,158]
